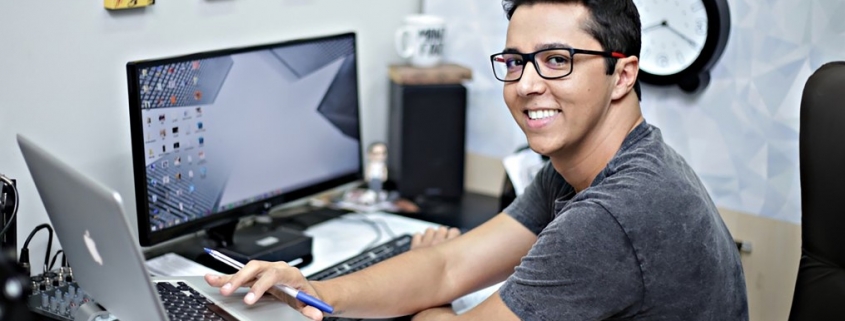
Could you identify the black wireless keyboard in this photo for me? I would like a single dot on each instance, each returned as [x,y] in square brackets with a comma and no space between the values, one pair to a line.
[384,251]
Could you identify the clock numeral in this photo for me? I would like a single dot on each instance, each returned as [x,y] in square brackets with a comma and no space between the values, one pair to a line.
[663,61]
[698,6]
[680,57]
[701,26]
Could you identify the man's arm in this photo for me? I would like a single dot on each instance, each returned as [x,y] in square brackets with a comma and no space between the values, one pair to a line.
[431,276]
[402,285]
[493,308]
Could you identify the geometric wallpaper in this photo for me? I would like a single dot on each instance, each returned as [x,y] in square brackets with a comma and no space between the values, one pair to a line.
[740,134]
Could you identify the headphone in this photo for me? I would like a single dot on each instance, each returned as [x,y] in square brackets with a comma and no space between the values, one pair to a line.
[4,200]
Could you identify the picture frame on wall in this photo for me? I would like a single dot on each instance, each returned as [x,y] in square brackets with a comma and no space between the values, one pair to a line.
[126,4]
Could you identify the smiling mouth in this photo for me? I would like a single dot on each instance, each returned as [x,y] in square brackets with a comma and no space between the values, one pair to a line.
[541,113]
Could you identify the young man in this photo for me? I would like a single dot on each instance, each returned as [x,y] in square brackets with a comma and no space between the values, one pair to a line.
[617,226]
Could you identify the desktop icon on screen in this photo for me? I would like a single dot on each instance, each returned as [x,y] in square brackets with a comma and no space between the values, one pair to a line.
[199,125]
[175,130]
[201,140]
[176,145]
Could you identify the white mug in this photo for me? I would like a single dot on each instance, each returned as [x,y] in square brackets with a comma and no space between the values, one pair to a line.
[421,40]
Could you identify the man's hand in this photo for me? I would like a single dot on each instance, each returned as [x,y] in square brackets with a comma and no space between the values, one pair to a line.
[433,237]
[261,276]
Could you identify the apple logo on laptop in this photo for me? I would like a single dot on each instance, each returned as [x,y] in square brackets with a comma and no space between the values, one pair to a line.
[92,248]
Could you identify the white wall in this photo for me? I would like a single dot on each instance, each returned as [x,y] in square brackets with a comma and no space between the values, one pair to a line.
[63,80]
[740,134]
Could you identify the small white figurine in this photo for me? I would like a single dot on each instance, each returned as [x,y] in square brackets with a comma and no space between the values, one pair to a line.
[375,173]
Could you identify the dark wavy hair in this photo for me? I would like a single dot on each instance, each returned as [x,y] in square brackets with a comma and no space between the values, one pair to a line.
[614,23]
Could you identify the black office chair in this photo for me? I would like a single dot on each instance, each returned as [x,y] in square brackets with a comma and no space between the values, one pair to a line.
[820,287]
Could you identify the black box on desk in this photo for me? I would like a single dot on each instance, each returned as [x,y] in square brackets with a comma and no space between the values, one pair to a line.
[426,139]
[279,245]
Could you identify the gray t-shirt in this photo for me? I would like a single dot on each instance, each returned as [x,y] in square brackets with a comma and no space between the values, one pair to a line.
[643,242]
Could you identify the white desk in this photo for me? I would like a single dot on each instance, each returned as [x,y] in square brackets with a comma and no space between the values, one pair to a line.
[338,239]
[341,238]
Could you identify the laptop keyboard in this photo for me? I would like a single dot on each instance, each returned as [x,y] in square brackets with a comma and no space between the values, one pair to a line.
[184,303]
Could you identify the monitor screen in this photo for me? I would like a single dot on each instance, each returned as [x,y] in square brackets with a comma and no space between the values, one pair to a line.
[223,134]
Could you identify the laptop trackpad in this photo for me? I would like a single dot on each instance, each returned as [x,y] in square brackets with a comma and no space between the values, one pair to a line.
[268,308]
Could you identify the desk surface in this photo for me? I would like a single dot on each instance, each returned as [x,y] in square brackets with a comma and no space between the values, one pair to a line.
[341,238]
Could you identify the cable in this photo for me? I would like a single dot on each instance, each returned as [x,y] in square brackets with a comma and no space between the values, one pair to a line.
[359,217]
[8,181]
[55,256]
[24,259]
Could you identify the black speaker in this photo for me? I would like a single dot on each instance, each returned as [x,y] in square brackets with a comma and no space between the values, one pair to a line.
[426,140]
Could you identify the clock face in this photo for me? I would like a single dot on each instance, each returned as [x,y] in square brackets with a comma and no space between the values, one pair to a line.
[673,34]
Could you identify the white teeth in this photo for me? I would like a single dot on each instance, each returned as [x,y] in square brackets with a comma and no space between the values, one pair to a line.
[538,114]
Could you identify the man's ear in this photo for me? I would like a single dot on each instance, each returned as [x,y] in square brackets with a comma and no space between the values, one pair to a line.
[625,74]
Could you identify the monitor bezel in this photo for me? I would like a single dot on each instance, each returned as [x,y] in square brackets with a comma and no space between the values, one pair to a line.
[146,236]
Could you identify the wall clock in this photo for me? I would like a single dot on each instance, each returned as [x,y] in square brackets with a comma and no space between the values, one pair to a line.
[682,40]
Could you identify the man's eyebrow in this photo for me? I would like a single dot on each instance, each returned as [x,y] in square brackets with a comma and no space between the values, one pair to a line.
[550,45]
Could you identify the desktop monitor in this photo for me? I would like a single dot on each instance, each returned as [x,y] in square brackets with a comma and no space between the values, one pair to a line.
[219,135]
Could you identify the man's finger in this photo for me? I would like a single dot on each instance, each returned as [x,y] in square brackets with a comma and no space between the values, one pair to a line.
[217,280]
[312,313]
[245,275]
[416,241]
[266,281]
[453,233]
[440,235]
[428,236]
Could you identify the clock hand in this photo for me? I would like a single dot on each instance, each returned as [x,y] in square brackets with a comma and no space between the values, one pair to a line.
[675,31]
[660,24]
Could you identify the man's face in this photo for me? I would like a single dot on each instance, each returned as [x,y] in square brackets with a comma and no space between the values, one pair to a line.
[571,106]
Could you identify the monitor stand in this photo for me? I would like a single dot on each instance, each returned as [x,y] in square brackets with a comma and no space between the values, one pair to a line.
[262,242]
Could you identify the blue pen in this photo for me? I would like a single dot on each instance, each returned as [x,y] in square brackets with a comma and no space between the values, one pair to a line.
[299,295]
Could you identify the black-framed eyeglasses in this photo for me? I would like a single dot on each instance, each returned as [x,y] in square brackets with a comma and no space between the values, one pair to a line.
[552,63]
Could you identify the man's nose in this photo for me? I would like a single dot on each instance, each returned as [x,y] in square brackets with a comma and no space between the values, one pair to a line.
[530,83]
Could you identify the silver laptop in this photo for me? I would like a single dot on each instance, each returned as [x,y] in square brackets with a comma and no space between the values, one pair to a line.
[107,262]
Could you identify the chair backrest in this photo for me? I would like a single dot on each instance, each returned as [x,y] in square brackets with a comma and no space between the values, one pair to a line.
[820,287]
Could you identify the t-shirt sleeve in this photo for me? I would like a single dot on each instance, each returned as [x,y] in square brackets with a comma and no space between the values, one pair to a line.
[534,208]
[582,267]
